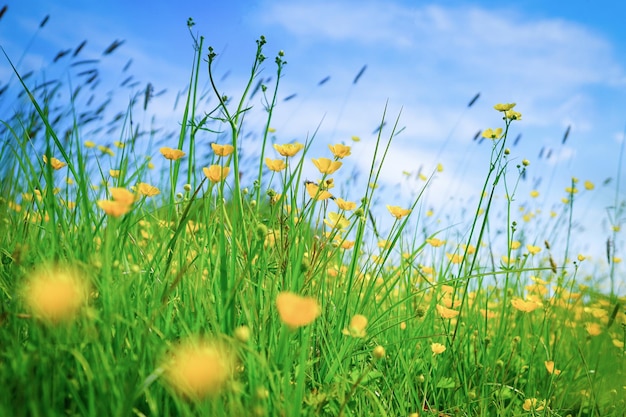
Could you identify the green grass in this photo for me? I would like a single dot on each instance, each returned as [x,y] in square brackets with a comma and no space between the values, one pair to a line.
[170,308]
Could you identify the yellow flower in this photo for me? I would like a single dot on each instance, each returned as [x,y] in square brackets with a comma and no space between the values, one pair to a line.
[515,244]
[356,139]
[533,404]
[581,257]
[534,193]
[289,149]
[345,205]
[571,190]
[347,244]
[551,368]
[275,165]
[533,250]
[122,195]
[314,191]
[147,189]
[357,326]
[216,173]
[437,348]
[55,294]
[114,208]
[398,212]
[54,163]
[504,106]
[435,242]
[336,221]
[454,258]
[445,312]
[171,154]
[513,115]
[326,166]
[105,150]
[119,144]
[89,144]
[222,150]
[114,173]
[296,311]
[339,150]
[593,329]
[525,306]
[378,352]
[440,167]
[589,185]
[492,134]
[198,369]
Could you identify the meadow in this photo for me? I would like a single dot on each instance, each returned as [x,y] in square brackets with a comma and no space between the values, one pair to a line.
[160,280]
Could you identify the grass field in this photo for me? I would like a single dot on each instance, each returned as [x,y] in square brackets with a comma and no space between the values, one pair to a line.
[202,294]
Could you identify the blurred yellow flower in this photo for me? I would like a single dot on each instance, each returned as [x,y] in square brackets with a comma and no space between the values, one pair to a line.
[534,193]
[356,139]
[147,189]
[89,144]
[55,294]
[357,326]
[593,329]
[122,195]
[119,144]
[336,221]
[533,250]
[437,348]
[106,150]
[533,404]
[171,154]
[347,244]
[379,352]
[398,212]
[275,165]
[326,166]
[114,208]
[296,311]
[339,150]
[504,106]
[524,305]
[54,163]
[589,185]
[222,150]
[454,258]
[445,312]
[114,173]
[345,205]
[551,368]
[216,173]
[198,369]
[435,242]
[289,149]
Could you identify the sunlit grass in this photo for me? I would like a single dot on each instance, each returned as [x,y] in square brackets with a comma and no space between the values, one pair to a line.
[169,284]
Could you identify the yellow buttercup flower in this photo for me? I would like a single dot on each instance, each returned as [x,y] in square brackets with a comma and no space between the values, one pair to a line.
[513,115]
[289,149]
[345,205]
[533,250]
[433,241]
[314,191]
[198,369]
[216,173]
[504,106]
[336,221]
[122,195]
[171,154]
[437,348]
[398,212]
[114,208]
[550,367]
[222,150]
[147,189]
[55,294]
[327,166]
[524,305]
[589,185]
[54,163]
[339,150]
[492,133]
[357,326]
[275,165]
[445,312]
[296,311]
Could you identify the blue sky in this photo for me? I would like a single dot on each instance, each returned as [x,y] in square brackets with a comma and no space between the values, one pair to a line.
[564,63]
